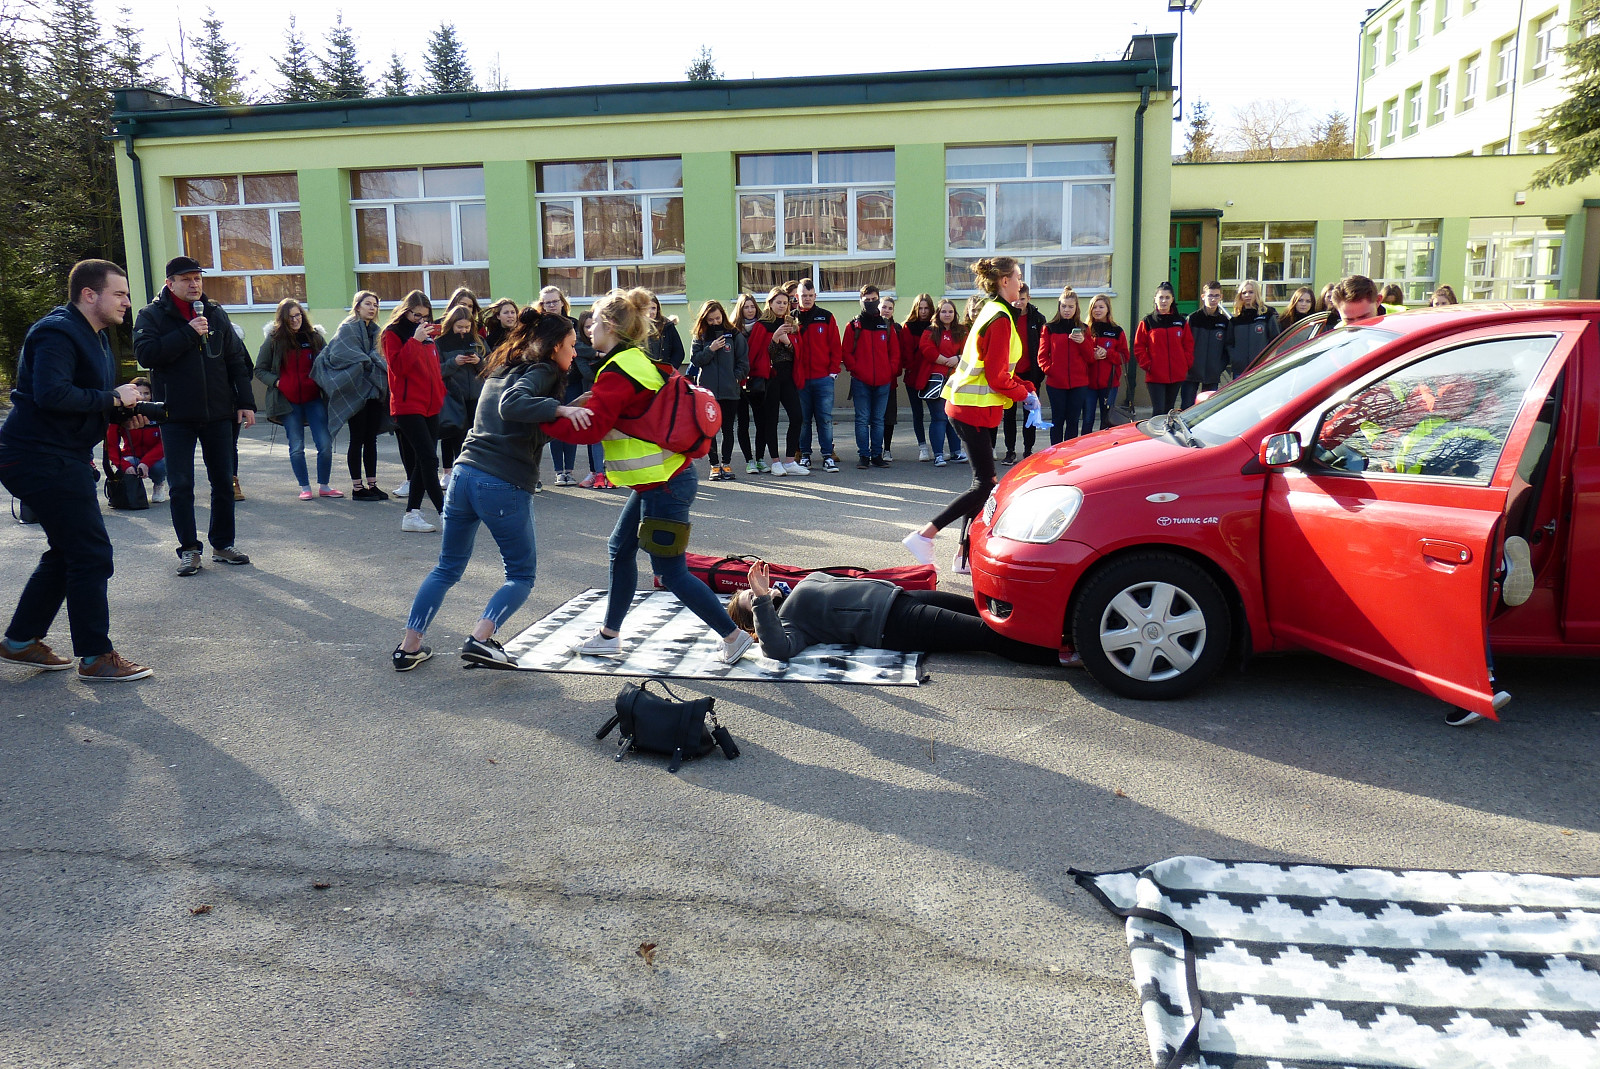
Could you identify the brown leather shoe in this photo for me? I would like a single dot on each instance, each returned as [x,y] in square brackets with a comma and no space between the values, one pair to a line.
[35,655]
[238,494]
[112,667]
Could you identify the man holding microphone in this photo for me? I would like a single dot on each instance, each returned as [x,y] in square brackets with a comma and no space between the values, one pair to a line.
[200,369]
[60,407]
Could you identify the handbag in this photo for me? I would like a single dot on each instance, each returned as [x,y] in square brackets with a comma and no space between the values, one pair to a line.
[667,725]
[935,388]
[126,490]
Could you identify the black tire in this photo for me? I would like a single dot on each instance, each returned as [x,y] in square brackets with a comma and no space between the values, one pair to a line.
[1150,665]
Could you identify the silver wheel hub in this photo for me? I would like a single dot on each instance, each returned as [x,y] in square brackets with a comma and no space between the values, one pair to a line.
[1152,631]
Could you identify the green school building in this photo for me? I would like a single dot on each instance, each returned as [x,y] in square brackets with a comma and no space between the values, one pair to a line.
[701,190]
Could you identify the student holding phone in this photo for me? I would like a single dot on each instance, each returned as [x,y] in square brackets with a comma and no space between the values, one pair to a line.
[416,394]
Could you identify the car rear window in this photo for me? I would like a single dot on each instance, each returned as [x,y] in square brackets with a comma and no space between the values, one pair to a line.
[1248,400]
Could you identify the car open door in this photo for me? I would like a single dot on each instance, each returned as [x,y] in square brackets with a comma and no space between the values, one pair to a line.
[1379,548]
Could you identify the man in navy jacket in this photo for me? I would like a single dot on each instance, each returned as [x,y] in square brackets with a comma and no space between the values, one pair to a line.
[60,408]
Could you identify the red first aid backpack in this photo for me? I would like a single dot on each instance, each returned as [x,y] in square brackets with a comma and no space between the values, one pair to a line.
[682,417]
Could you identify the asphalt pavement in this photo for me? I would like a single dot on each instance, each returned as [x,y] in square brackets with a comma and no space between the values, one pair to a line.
[279,851]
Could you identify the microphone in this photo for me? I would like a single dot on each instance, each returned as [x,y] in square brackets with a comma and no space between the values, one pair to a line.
[199,308]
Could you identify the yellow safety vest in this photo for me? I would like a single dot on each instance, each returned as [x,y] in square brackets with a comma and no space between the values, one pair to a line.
[967,385]
[633,461]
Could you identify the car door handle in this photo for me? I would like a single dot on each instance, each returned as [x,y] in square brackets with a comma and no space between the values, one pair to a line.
[1445,552]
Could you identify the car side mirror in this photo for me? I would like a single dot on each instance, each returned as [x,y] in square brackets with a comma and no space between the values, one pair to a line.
[1280,450]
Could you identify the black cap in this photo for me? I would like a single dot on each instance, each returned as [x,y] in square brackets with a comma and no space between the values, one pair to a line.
[182,265]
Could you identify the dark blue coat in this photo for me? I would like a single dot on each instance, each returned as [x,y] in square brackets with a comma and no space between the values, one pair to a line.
[63,396]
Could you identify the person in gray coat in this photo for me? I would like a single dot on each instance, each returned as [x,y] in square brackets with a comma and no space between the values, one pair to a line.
[721,356]
[354,379]
[825,609]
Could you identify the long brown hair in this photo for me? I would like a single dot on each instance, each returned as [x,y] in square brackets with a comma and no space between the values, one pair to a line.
[1110,319]
[956,329]
[1290,317]
[280,322]
[456,314]
[414,299]
[1077,307]
[916,304]
[700,324]
[533,340]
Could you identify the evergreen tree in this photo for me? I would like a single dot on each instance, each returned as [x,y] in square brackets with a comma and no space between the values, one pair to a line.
[130,67]
[297,67]
[215,74]
[704,68]
[344,76]
[1200,144]
[396,78]
[445,68]
[1573,126]
[1330,139]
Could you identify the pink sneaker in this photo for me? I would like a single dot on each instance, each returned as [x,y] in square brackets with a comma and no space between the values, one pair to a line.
[588,481]
[306,495]
[326,492]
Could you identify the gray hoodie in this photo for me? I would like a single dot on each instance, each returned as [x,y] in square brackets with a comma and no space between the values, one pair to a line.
[505,440]
[824,609]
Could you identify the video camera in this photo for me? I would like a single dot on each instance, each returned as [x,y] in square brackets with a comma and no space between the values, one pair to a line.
[154,411]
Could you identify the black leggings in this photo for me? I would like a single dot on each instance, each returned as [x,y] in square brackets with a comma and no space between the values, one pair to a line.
[781,390]
[364,426]
[421,435]
[980,452]
[730,417]
[746,409]
[450,444]
[891,415]
[1014,413]
[938,621]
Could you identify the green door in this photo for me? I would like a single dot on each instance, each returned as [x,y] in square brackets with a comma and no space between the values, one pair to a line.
[1183,265]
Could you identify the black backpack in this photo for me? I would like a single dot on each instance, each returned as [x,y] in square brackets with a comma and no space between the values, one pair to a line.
[668,726]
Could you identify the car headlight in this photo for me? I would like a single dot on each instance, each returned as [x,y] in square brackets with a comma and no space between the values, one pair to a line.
[1041,515]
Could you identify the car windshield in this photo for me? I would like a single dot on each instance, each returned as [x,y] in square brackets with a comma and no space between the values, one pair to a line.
[1248,400]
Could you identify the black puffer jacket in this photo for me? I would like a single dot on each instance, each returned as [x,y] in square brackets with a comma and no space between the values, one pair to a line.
[667,347]
[1249,332]
[200,379]
[1210,334]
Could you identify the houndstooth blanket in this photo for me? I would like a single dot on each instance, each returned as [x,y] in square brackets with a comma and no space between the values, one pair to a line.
[1263,966]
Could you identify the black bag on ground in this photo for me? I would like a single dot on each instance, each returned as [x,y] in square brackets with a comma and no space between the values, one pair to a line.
[126,490]
[667,725]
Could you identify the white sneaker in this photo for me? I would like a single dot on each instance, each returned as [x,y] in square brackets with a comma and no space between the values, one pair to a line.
[924,453]
[796,469]
[887,459]
[158,493]
[403,490]
[1517,586]
[598,645]
[960,564]
[919,546]
[961,457]
[779,468]
[940,462]
[444,484]
[735,647]
[415,523]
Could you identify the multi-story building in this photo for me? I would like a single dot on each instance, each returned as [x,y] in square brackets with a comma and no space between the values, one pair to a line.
[1461,77]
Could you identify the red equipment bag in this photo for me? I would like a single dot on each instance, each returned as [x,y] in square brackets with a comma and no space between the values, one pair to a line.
[725,575]
[682,417]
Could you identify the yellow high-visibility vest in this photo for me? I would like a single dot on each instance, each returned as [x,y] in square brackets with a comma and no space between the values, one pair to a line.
[633,461]
[967,384]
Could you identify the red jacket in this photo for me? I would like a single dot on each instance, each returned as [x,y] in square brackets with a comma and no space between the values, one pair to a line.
[1065,362]
[1106,374]
[871,354]
[615,396]
[1164,346]
[994,347]
[760,340]
[913,362]
[415,386]
[817,352]
[142,445]
[937,342]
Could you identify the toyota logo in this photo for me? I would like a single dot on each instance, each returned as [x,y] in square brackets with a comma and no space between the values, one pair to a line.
[1164,521]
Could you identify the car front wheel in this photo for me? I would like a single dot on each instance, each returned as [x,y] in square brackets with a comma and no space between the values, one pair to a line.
[1152,626]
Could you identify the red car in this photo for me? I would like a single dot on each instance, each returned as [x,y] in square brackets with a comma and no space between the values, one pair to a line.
[1350,496]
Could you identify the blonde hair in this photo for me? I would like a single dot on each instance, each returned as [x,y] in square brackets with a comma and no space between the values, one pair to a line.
[1101,298]
[1259,306]
[777,291]
[626,314]
[566,305]
[990,270]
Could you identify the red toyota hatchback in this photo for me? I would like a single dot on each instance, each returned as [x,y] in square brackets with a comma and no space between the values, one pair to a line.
[1351,496]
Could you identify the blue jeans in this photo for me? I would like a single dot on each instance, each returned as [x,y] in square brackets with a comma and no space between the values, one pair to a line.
[669,501]
[938,426]
[217,445]
[816,402]
[914,399]
[1072,409]
[870,402]
[507,511]
[313,414]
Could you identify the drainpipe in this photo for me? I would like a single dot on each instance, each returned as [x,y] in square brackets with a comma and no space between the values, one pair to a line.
[138,196]
[1516,76]
[1138,192]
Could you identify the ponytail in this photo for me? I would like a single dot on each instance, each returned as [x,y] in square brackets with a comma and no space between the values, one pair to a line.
[990,270]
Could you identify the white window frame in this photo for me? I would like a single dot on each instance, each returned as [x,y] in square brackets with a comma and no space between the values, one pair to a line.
[1441,16]
[1471,71]
[647,242]
[1505,65]
[1485,256]
[273,210]
[1391,121]
[1255,250]
[1545,44]
[1392,51]
[1419,20]
[1374,53]
[1371,126]
[1414,110]
[780,191]
[1441,97]
[393,266]
[1358,260]
[1026,258]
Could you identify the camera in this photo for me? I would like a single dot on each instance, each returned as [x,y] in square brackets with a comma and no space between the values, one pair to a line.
[154,411]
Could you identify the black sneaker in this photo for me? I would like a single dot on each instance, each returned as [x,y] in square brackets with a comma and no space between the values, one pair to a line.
[405,662]
[863,463]
[1010,457]
[488,653]
[228,555]
[879,462]
[188,561]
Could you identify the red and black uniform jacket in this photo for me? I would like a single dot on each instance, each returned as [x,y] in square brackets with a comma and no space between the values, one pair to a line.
[871,350]
[1164,346]
[1065,362]
[817,351]
[1106,374]
[937,342]
[127,448]
[615,396]
[416,388]
[913,362]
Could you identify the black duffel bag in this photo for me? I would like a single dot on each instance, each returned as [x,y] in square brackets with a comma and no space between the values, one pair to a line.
[126,490]
[667,725]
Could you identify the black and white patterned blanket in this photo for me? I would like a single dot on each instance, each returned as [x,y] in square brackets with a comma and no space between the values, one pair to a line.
[662,638]
[1263,966]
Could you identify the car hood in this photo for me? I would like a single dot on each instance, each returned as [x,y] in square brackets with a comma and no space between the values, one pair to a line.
[1120,458]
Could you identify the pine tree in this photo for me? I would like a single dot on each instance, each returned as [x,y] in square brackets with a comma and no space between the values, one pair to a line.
[704,68]
[344,76]
[1330,138]
[445,68]
[1200,145]
[129,64]
[396,78]
[1573,126]
[215,73]
[297,67]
